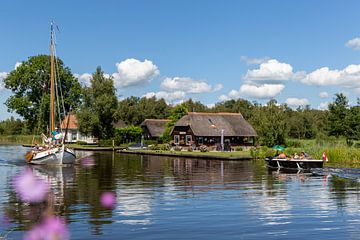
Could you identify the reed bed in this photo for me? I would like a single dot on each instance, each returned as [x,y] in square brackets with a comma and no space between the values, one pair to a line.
[18,139]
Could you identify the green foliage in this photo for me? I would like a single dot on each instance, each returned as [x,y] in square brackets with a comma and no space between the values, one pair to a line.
[270,124]
[239,148]
[105,143]
[162,147]
[261,152]
[293,143]
[338,111]
[12,126]
[195,106]
[81,142]
[128,134]
[236,106]
[134,110]
[97,114]
[30,84]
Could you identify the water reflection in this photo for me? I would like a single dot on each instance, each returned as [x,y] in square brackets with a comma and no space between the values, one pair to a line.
[164,197]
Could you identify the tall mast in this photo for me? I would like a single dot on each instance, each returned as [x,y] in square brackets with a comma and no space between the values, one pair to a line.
[52,80]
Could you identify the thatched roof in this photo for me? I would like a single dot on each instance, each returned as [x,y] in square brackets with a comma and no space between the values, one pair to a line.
[210,124]
[119,124]
[156,127]
[70,121]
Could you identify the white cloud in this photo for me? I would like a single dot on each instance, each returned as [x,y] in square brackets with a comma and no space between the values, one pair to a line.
[168,96]
[271,70]
[323,106]
[295,102]
[357,91]
[17,64]
[253,61]
[133,72]
[224,98]
[262,91]
[3,75]
[353,43]
[84,78]
[323,94]
[218,87]
[188,85]
[210,105]
[348,77]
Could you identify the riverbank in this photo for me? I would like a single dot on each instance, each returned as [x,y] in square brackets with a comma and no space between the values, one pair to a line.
[87,147]
[237,155]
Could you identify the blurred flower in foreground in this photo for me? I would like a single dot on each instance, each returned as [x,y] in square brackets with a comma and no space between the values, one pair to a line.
[108,199]
[30,188]
[87,162]
[51,228]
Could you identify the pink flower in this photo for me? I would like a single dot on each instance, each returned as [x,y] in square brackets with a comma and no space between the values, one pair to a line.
[51,228]
[30,188]
[108,199]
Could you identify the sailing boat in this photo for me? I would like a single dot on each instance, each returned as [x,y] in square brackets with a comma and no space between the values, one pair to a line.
[53,150]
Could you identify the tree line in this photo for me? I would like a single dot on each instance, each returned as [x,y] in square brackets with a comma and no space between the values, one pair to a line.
[98,108]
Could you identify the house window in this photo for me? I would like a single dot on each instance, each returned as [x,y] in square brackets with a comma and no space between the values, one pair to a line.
[176,139]
[201,140]
[73,135]
[188,139]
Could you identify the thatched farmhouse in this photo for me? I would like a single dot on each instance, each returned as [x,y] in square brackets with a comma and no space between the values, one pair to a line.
[153,129]
[208,129]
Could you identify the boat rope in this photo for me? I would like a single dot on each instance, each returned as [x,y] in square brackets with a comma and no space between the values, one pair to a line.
[58,88]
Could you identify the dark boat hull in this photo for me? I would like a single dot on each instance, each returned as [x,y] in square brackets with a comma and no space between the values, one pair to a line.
[300,164]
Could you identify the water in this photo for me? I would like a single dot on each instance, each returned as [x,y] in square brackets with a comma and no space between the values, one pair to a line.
[174,198]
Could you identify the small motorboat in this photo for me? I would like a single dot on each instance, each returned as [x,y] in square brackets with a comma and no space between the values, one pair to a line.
[299,164]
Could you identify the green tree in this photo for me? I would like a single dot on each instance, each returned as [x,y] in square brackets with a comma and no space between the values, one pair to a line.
[195,106]
[134,110]
[176,113]
[97,114]
[338,111]
[237,106]
[12,126]
[270,123]
[128,134]
[30,84]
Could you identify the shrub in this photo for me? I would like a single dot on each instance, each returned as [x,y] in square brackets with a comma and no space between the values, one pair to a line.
[164,147]
[239,148]
[81,142]
[203,148]
[293,143]
[128,134]
[150,142]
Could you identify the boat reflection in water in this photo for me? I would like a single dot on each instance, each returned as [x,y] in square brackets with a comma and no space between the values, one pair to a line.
[61,179]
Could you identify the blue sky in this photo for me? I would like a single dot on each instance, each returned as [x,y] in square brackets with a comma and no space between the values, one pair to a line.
[298,52]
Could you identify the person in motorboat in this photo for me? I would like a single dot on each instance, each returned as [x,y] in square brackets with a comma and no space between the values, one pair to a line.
[282,155]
